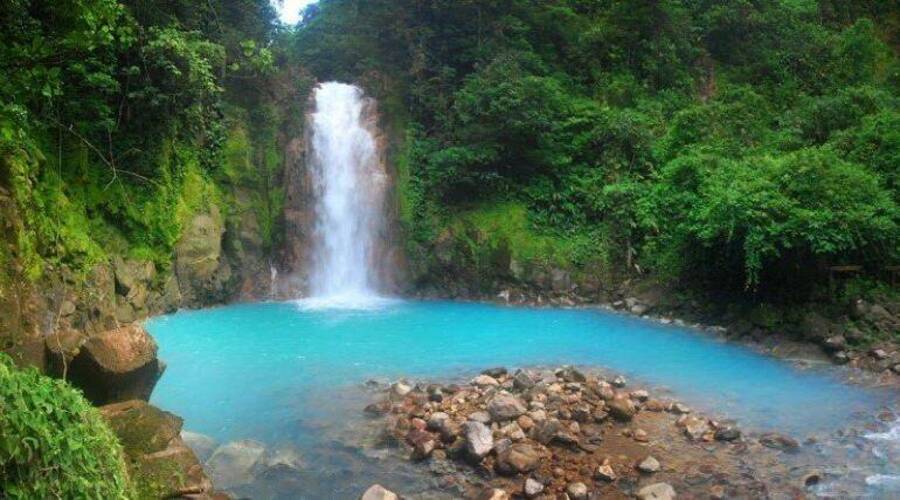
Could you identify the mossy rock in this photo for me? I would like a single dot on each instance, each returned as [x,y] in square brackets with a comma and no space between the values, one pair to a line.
[159,461]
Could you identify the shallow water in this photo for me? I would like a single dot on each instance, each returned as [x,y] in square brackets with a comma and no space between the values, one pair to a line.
[270,371]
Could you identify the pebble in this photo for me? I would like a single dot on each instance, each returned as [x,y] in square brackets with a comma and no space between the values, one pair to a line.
[577,491]
[605,473]
[533,488]
[657,491]
[649,465]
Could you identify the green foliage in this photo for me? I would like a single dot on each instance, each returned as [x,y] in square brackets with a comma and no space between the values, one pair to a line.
[772,210]
[112,121]
[53,443]
[744,140]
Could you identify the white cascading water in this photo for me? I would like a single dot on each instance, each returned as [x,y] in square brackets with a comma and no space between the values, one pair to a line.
[349,182]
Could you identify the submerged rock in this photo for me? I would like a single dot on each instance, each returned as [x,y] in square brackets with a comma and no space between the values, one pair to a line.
[505,407]
[657,491]
[495,372]
[727,434]
[234,464]
[485,381]
[203,445]
[378,492]
[779,442]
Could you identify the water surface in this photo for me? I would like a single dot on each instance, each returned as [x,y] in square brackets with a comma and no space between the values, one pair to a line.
[248,369]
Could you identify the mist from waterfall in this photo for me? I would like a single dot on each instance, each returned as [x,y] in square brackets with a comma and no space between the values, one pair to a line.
[349,184]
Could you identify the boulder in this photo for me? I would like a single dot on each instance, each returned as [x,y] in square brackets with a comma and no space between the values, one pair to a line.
[622,408]
[657,491]
[203,445]
[522,381]
[117,365]
[779,442]
[505,406]
[159,461]
[518,458]
[235,463]
[479,439]
[378,492]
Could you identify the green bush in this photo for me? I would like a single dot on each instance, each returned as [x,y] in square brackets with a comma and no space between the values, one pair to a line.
[53,443]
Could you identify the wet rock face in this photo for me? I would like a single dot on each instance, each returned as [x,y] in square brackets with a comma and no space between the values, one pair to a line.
[159,460]
[116,365]
[204,275]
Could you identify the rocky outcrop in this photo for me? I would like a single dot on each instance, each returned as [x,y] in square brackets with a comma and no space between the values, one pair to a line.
[160,463]
[116,365]
[204,275]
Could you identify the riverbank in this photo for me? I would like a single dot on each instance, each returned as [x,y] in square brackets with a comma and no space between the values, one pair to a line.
[811,333]
[578,434]
[545,433]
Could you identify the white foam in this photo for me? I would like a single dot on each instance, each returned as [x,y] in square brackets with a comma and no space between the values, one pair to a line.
[346,301]
[884,481]
[892,435]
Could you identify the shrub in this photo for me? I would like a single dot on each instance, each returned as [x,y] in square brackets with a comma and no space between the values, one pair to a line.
[53,443]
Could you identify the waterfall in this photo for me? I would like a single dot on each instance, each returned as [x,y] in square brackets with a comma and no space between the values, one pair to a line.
[349,184]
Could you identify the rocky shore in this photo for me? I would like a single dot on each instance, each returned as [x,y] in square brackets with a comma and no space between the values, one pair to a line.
[576,434]
[815,331]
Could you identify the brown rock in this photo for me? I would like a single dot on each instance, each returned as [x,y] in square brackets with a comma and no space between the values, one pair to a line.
[117,365]
[622,408]
[519,458]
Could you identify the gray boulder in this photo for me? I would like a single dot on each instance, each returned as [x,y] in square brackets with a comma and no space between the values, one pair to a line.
[479,439]
[203,445]
[233,464]
[505,406]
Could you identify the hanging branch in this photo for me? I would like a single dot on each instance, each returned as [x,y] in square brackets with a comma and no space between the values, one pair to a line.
[110,161]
